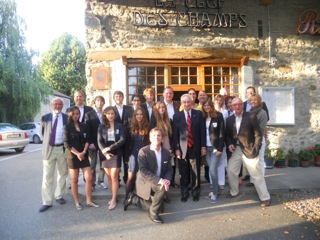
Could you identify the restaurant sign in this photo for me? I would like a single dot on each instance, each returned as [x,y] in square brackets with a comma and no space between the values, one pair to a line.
[307,22]
[192,13]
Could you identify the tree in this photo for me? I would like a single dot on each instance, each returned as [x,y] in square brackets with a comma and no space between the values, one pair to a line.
[21,86]
[63,64]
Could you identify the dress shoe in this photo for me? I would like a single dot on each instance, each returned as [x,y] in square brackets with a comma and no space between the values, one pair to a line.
[128,201]
[61,201]
[196,197]
[231,196]
[174,185]
[156,218]
[249,184]
[184,198]
[44,208]
[246,178]
[265,203]
[166,199]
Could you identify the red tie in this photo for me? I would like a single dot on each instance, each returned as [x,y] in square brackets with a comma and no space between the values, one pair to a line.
[190,137]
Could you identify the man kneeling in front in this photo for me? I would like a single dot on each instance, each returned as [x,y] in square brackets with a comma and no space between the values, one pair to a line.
[153,177]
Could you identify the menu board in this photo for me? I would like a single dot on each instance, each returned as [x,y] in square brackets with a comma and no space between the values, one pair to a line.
[280,103]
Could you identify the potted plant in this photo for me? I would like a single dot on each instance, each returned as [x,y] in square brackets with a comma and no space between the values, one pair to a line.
[317,155]
[305,155]
[268,159]
[279,160]
[292,158]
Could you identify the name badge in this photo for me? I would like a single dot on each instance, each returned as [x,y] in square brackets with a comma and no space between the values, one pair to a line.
[214,124]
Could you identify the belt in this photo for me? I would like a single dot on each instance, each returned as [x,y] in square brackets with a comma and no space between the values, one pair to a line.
[57,145]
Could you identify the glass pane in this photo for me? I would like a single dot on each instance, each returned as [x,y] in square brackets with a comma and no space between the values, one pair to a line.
[141,71]
[132,80]
[207,80]
[226,79]
[184,80]
[184,70]
[234,71]
[160,70]
[217,80]
[132,71]
[174,71]
[234,80]
[175,80]
[132,90]
[160,89]
[193,80]
[151,70]
[225,70]
[208,71]
[193,71]
[150,80]
[160,80]
[142,80]
[208,89]
[217,70]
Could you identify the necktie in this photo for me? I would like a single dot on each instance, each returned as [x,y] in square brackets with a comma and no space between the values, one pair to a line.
[53,132]
[190,137]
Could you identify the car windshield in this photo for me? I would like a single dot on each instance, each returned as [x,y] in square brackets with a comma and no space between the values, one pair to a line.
[8,127]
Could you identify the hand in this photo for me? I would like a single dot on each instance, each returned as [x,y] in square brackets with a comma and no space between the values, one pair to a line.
[165,183]
[105,150]
[231,148]
[80,155]
[203,151]
[178,154]
[218,153]
[109,156]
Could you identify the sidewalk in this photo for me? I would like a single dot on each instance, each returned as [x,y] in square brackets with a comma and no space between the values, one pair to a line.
[278,179]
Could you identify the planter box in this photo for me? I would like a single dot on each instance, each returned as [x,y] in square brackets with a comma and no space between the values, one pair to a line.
[304,163]
[280,163]
[269,163]
[293,163]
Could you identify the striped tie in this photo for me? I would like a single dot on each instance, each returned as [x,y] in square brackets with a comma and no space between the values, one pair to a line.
[190,137]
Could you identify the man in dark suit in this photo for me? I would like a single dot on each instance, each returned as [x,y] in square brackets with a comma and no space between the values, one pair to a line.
[250,91]
[189,135]
[153,177]
[172,108]
[78,101]
[53,154]
[243,139]
[148,94]
[93,120]
[123,111]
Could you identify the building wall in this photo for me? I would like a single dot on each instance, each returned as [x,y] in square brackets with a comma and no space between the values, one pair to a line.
[112,34]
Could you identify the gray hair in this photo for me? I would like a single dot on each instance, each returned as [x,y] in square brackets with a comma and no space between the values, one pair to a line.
[186,95]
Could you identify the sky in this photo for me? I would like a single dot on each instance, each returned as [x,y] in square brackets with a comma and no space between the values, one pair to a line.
[46,20]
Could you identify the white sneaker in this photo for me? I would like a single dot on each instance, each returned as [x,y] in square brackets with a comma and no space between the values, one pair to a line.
[209,195]
[214,198]
[103,185]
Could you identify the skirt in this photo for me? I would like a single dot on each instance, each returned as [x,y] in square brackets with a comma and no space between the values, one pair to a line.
[75,163]
[114,162]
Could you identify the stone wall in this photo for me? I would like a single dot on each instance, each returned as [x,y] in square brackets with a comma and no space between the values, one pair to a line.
[110,29]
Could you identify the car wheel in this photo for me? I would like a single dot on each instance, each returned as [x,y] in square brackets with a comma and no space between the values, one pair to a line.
[36,139]
[19,150]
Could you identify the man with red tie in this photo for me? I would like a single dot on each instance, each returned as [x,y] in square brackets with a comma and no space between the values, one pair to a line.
[189,135]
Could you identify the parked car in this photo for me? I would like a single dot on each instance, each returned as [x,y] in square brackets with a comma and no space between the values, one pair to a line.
[12,137]
[33,130]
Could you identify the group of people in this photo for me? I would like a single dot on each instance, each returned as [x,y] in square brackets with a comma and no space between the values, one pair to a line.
[150,140]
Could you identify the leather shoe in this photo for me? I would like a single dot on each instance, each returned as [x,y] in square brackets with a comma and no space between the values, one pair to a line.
[61,201]
[128,201]
[156,218]
[44,208]
[249,184]
[265,203]
[184,198]
[166,199]
[196,198]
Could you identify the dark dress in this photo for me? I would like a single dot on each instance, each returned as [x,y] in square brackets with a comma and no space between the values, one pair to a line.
[133,160]
[77,140]
[115,146]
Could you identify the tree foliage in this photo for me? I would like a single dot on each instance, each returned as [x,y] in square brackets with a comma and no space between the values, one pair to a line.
[63,64]
[21,86]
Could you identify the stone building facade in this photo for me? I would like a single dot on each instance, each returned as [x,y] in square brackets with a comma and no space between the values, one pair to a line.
[210,44]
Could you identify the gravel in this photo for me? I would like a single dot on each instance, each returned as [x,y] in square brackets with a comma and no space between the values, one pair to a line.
[305,203]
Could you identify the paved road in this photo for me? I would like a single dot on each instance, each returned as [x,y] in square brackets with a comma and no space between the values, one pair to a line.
[240,218]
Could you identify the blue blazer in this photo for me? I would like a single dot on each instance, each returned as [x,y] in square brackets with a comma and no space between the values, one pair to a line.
[180,133]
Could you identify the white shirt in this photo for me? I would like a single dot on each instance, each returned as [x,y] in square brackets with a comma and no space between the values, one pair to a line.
[149,107]
[158,156]
[120,110]
[59,130]
[81,113]
[238,121]
[170,109]
[99,114]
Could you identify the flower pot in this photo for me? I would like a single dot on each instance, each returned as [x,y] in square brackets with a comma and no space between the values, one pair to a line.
[293,163]
[304,163]
[317,161]
[280,163]
[268,163]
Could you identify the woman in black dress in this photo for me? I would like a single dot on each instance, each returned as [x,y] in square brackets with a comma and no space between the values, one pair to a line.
[76,146]
[111,137]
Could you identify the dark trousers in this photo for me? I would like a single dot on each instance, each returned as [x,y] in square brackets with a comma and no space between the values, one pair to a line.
[190,171]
